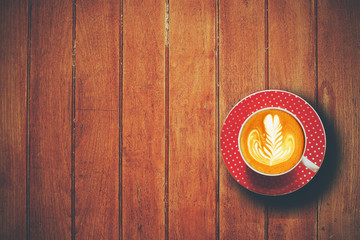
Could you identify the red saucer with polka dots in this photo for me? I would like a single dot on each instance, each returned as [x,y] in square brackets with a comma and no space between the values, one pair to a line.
[272,185]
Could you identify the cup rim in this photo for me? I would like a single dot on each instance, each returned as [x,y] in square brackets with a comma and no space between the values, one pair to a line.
[305,141]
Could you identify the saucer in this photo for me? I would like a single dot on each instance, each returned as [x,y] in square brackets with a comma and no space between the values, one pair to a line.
[272,185]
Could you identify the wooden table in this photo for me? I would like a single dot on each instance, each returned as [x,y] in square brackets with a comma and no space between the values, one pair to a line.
[111,111]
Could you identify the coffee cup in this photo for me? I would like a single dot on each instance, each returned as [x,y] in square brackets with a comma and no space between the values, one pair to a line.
[272,142]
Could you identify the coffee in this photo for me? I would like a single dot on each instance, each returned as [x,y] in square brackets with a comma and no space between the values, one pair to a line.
[272,141]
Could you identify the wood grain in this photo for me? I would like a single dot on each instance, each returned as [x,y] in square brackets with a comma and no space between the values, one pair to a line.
[339,97]
[241,71]
[50,120]
[110,114]
[292,67]
[13,125]
[97,55]
[97,120]
[97,175]
[292,47]
[143,120]
[192,130]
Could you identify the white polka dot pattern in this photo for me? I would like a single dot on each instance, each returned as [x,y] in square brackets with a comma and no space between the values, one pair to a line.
[315,146]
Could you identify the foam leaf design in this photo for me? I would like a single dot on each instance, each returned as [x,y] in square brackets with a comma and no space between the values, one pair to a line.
[275,148]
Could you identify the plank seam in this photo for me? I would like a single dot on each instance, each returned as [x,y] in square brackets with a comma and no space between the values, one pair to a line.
[217,124]
[267,86]
[166,200]
[73,82]
[316,98]
[267,82]
[316,56]
[121,94]
[28,77]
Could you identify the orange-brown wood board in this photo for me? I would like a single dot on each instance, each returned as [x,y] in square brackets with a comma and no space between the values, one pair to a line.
[111,114]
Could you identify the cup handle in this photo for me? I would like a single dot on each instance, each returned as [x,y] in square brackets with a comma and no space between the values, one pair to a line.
[310,165]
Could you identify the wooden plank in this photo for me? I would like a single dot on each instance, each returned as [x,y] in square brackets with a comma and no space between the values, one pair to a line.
[97,55]
[50,120]
[292,47]
[97,120]
[97,175]
[339,97]
[143,120]
[292,67]
[242,72]
[13,125]
[192,130]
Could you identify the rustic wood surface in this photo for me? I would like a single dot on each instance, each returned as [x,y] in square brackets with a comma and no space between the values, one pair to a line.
[192,131]
[339,91]
[110,114]
[13,119]
[143,120]
[96,113]
[50,89]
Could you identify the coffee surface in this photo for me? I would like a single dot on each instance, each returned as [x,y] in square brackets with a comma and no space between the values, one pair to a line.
[272,141]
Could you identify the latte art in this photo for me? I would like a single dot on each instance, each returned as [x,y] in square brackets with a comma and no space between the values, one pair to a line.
[272,141]
[276,148]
